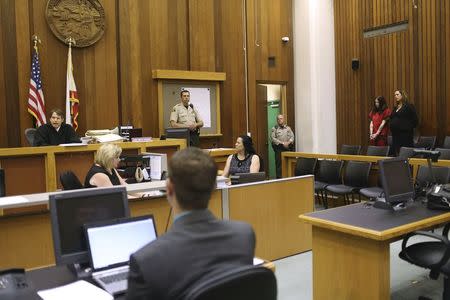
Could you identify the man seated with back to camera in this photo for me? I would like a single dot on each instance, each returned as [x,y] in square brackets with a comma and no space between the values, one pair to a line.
[56,131]
[198,245]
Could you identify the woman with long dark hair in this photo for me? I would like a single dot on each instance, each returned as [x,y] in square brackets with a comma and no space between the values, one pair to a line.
[379,117]
[403,121]
[245,160]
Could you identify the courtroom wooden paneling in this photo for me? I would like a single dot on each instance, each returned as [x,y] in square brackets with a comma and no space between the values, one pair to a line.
[414,60]
[113,76]
[267,22]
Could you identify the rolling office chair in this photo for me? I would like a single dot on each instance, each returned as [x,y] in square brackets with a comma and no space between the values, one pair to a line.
[70,181]
[356,177]
[244,283]
[305,166]
[433,255]
[29,134]
[350,149]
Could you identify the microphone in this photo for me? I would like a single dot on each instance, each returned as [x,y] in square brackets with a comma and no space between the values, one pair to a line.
[191,105]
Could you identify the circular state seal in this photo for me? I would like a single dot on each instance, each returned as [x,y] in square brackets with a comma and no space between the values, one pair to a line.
[82,20]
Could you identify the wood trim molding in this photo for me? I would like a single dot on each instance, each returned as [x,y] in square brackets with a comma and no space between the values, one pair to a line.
[188,75]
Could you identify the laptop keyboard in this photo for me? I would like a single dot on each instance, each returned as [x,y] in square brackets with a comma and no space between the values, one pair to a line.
[114,277]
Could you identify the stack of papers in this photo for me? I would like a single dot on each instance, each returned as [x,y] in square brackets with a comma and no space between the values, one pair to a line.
[74,291]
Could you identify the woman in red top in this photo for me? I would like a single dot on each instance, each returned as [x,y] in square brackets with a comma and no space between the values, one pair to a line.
[379,116]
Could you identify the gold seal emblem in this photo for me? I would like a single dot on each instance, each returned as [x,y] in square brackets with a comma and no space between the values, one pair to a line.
[82,20]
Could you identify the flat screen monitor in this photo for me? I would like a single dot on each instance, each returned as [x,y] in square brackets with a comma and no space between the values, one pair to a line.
[396,180]
[69,212]
[158,164]
[240,178]
[179,133]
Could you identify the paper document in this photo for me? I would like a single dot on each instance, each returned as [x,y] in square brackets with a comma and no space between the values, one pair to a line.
[257,261]
[109,138]
[73,145]
[74,291]
[13,200]
[155,167]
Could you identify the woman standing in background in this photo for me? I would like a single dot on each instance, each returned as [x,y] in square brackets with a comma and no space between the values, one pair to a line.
[403,121]
[379,116]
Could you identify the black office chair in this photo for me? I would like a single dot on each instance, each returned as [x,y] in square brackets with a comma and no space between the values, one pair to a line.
[305,166]
[433,255]
[427,142]
[350,149]
[29,134]
[377,151]
[243,283]
[329,172]
[446,144]
[445,153]
[70,181]
[356,177]
[2,183]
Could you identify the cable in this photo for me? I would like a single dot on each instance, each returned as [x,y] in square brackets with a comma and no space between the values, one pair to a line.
[168,219]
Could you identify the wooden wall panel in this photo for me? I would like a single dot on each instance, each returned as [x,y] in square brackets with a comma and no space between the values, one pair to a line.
[267,22]
[113,76]
[414,60]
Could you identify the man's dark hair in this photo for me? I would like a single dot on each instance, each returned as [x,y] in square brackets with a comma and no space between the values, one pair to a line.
[184,91]
[193,174]
[58,112]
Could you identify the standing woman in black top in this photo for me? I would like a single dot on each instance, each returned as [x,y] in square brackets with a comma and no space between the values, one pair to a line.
[103,172]
[402,122]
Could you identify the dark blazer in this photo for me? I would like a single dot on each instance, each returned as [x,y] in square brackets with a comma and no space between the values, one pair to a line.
[47,135]
[197,246]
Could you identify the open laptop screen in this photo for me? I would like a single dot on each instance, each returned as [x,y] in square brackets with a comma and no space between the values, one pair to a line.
[112,243]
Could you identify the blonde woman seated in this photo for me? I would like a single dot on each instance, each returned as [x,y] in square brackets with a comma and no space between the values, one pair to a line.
[245,160]
[103,173]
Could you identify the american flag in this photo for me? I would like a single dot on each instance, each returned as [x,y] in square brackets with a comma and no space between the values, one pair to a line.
[36,104]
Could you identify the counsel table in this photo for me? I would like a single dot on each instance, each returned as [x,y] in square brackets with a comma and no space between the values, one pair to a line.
[351,247]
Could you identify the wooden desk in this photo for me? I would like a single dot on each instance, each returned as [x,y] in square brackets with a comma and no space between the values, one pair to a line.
[271,207]
[36,169]
[350,247]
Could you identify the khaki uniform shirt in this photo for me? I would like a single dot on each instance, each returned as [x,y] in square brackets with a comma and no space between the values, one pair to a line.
[282,134]
[186,116]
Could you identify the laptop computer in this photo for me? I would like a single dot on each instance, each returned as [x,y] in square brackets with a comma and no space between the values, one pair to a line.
[110,244]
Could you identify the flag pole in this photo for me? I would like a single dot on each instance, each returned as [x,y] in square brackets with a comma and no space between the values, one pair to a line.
[72,101]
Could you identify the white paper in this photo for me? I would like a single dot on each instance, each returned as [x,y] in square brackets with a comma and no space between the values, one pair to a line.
[155,167]
[108,138]
[75,291]
[257,261]
[73,145]
[12,200]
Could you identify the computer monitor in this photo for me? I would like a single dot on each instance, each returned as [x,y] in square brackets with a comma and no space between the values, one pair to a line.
[69,211]
[179,133]
[239,178]
[396,180]
[158,164]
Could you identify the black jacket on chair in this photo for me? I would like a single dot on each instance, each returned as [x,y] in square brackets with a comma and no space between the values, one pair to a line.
[197,247]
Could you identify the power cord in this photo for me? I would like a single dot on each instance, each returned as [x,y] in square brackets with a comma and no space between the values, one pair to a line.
[168,219]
